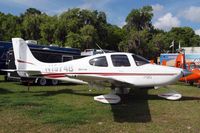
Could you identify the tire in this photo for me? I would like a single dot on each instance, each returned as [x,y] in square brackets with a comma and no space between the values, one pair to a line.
[54,82]
[42,81]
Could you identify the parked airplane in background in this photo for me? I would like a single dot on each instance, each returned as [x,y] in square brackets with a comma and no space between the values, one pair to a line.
[119,71]
[190,66]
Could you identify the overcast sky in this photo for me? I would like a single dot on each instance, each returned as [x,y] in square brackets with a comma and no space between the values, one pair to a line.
[167,13]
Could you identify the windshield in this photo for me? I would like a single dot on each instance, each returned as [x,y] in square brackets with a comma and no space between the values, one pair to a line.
[139,60]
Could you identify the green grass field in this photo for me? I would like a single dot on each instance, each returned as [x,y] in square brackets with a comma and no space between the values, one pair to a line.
[71,108]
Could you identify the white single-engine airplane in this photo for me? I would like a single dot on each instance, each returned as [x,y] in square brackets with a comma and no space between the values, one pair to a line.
[120,71]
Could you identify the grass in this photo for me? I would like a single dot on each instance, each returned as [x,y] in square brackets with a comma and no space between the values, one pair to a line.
[71,108]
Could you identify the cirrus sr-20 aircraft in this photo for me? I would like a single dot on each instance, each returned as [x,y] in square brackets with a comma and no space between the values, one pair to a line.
[120,71]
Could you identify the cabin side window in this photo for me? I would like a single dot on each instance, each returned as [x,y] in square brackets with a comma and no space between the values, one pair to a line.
[99,61]
[120,61]
[139,61]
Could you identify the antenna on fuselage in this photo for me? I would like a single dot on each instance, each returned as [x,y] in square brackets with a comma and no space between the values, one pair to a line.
[100,48]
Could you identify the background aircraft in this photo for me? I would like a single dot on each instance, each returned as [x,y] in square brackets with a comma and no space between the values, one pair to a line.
[119,71]
[194,77]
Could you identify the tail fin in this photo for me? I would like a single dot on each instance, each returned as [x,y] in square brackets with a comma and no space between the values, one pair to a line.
[24,60]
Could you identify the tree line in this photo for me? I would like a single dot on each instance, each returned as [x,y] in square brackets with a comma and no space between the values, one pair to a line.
[82,28]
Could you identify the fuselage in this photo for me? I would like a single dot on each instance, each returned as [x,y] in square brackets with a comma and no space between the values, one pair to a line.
[122,67]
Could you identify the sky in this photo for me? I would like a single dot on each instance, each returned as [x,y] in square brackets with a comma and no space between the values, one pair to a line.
[167,13]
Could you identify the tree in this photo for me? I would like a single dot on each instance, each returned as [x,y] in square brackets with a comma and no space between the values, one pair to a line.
[89,36]
[2,17]
[88,17]
[32,11]
[136,42]
[31,21]
[114,36]
[9,27]
[140,19]
[31,27]
[159,44]
[195,41]
[183,35]
[60,33]
[101,17]
[48,28]
[70,20]
[139,31]
[74,40]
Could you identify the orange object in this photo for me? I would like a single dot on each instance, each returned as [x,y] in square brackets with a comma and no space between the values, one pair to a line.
[191,66]
[152,61]
[164,62]
[179,60]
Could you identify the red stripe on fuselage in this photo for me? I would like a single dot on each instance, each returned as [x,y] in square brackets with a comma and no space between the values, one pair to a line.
[54,76]
[21,61]
[58,75]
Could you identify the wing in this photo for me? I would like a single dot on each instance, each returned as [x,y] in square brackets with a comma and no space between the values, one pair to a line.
[105,81]
[80,79]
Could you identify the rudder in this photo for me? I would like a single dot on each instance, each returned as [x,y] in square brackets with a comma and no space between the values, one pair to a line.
[24,59]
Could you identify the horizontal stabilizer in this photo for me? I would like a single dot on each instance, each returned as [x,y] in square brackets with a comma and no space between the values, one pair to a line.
[24,73]
[29,73]
[9,70]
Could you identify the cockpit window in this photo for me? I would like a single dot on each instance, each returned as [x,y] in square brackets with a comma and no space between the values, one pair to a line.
[120,60]
[140,60]
[99,61]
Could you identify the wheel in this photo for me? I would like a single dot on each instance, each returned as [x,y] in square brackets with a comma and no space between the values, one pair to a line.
[42,81]
[54,82]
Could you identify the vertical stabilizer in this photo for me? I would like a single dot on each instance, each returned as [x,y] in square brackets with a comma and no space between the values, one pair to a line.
[24,59]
